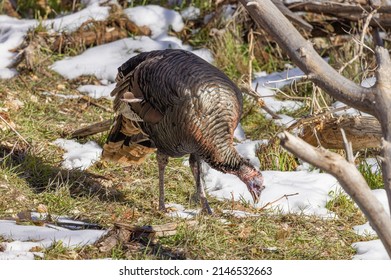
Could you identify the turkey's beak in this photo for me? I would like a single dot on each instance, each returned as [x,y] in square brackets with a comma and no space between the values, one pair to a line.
[255,187]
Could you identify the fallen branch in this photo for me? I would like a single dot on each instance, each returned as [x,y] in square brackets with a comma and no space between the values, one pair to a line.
[92,129]
[292,16]
[153,231]
[125,234]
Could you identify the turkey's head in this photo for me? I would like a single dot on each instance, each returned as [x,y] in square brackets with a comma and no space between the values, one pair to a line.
[253,180]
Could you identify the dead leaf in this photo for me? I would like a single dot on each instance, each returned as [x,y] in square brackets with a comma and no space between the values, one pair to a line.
[283,232]
[24,216]
[36,249]
[14,104]
[61,87]
[124,235]
[5,121]
[42,208]
[34,99]
[244,233]
[108,243]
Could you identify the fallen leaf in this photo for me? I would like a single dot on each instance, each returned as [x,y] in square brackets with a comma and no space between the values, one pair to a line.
[283,232]
[42,208]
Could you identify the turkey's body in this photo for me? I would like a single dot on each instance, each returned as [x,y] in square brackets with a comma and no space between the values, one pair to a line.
[177,102]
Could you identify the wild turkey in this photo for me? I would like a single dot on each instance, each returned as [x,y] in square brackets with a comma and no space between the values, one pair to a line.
[176,103]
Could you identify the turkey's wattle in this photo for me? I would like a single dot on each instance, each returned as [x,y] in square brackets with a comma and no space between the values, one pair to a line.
[174,102]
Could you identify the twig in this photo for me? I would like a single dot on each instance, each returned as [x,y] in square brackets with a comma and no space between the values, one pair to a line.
[348,147]
[361,43]
[252,57]
[274,201]
[90,101]
[14,130]
[286,79]
[10,153]
[290,96]
[260,101]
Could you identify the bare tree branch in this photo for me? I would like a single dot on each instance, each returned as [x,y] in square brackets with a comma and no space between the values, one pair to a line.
[348,147]
[383,113]
[306,58]
[350,179]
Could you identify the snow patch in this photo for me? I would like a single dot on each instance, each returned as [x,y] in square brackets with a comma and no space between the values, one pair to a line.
[366,228]
[157,18]
[370,250]
[43,237]
[190,13]
[79,156]
[97,91]
[13,31]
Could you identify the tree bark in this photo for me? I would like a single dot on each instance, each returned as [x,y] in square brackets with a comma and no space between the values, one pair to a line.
[334,7]
[382,103]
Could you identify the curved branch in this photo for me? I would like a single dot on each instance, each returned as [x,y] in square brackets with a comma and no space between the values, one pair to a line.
[307,59]
[350,179]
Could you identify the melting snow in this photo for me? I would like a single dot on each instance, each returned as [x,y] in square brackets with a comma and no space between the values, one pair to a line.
[78,156]
[157,18]
[27,237]
[13,31]
[190,13]
[97,91]
[370,250]
[366,228]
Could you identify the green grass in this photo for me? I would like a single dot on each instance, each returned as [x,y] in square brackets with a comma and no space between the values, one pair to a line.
[373,178]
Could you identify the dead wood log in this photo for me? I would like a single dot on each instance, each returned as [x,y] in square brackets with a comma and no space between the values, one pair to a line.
[362,131]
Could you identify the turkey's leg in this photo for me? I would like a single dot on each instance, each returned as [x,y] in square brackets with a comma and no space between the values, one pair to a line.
[195,165]
[162,161]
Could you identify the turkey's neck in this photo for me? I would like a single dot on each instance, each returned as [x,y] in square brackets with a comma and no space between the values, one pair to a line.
[227,160]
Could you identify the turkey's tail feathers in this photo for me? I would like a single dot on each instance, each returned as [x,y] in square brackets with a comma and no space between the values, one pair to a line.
[127,144]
